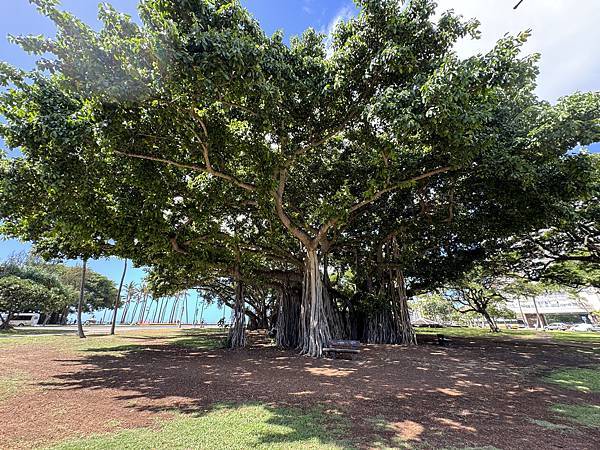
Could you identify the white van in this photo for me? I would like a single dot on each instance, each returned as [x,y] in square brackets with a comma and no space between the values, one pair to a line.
[23,319]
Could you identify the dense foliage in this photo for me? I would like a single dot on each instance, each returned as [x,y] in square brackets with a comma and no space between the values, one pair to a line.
[344,178]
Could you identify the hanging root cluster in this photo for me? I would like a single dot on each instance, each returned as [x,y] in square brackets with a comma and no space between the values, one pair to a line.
[314,326]
[288,318]
[237,332]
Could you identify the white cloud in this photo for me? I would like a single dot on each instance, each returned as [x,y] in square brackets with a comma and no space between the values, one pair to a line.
[565,32]
[307,6]
[344,13]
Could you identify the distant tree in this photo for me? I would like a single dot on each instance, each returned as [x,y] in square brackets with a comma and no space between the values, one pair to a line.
[435,307]
[59,295]
[478,291]
[100,291]
[20,295]
[62,283]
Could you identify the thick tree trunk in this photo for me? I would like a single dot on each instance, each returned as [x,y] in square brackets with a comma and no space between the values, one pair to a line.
[80,303]
[237,334]
[288,319]
[338,325]
[406,332]
[390,324]
[118,300]
[379,328]
[315,326]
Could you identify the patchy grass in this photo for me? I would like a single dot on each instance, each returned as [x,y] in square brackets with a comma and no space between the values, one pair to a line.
[586,415]
[584,380]
[228,427]
[124,341]
[10,385]
[551,426]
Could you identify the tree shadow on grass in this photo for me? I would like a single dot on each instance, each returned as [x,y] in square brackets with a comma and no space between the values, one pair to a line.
[228,425]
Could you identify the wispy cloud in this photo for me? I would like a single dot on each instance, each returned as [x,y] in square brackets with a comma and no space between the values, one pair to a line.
[346,12]
[307,6]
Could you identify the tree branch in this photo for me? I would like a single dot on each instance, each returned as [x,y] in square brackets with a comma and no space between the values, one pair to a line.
[380,193]
[163,160]
[285,219]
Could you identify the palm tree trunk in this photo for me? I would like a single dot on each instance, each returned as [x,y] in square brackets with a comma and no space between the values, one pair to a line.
[118,300]
[80,303]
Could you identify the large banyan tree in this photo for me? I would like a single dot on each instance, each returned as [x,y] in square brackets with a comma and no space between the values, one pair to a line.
[345,173]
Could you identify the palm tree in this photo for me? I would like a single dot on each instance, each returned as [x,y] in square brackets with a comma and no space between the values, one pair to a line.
[80,302]
[118,300]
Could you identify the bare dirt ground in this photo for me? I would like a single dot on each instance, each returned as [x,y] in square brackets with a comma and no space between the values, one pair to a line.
[476,392]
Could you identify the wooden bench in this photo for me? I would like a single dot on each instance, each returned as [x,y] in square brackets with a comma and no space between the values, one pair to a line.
[443,340]
[340,348]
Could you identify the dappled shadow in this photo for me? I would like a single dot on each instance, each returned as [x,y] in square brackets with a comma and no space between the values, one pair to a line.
[475,391]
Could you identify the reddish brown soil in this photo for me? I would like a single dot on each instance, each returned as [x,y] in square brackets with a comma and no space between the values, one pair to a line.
[476,392]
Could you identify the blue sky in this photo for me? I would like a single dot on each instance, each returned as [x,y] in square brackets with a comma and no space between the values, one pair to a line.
[294,16]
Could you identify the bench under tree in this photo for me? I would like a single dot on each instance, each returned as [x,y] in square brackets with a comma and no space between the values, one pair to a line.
[337,348]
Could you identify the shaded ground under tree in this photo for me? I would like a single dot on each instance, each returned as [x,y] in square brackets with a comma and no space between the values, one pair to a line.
[477,392]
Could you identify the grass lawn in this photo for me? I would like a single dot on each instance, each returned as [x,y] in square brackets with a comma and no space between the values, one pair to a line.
[227,427]
[586,415]
[584,380]
[588,338]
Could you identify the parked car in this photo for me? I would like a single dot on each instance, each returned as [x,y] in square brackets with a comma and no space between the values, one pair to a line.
[23,319]
[582,327]
[557,326]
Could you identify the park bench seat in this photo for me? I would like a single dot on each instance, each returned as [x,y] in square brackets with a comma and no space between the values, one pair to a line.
[337,348]
[443,340]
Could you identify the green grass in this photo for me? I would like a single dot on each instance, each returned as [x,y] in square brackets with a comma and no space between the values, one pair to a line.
[575,337]
[586,415]
[572,337]
[475,332]
[584,380]
[551,426]
[228,427]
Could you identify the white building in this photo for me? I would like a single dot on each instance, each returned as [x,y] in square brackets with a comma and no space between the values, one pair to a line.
[557,307]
